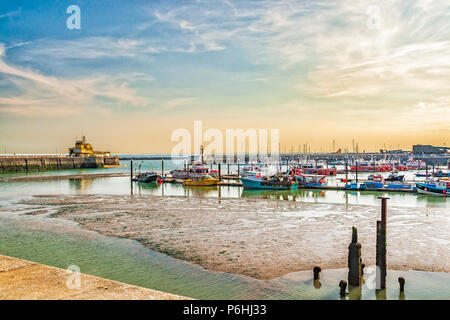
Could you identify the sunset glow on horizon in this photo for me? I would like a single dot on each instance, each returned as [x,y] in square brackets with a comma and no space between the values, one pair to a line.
[371,73]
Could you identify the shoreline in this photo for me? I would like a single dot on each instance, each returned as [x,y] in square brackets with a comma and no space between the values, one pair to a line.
[23,280]
[62,177]
[262,239]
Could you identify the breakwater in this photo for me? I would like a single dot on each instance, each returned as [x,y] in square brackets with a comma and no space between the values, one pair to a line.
[12,164]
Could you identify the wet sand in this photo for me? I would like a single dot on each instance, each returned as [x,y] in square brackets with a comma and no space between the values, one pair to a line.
[22,279]
[259,238]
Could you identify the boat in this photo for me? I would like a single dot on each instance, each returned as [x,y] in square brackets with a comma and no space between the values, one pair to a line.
[254,180]
[147,177]
[373,182]
[441,174]
[315,170]
[399,185]
[196,171]
[416,164]
[423,175]
[311,180]
[203,181]
[394,176]
[435,188]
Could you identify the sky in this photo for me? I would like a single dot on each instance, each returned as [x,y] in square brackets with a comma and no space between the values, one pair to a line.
[376,72]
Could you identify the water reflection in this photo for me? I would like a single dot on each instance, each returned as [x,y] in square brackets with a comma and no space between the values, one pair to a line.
[317,284]
[200,192]
[83,184]
[355,292]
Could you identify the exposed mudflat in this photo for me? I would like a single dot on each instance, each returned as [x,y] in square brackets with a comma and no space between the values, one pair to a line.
[259,238]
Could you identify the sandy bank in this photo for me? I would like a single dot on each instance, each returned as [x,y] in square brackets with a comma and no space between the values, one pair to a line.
[260,238]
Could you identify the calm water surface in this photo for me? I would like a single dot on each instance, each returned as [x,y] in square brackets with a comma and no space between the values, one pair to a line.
[62,243]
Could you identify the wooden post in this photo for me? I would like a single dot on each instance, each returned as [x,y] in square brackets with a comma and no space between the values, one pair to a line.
[316,272]
[401,282]
[220,172]
[239,171]
[131,171]
[346,171]
[381,246]
[356,167]
[26,164]
[354,260]
[162,167]
[343,286]
[228,169]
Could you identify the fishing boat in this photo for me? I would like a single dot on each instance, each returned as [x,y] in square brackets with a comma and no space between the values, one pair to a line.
[416,164]
[254,180]
[197,170]
[399,185]
[203,181]
[311,180]
[435,188]
[148,177]
[316,170]
[373,182]
[441,174]
[423,175]
[394,176]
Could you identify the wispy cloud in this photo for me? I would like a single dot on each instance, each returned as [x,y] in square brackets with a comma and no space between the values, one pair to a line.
[11,13]
[178,102]
[92,48]
[52,96]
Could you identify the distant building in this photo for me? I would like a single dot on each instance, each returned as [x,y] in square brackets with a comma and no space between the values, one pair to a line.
[84,149]
[428,149]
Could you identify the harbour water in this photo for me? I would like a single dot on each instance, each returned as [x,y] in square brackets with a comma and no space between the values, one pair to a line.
[61,243]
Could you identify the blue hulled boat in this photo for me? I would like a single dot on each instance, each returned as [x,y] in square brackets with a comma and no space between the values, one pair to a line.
[254,180]
[435,188]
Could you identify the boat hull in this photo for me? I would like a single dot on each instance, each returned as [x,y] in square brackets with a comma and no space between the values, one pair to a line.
[148,179]
[423,188]
[257,184]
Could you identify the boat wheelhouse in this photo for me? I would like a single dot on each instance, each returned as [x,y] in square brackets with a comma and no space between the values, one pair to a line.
[197,170]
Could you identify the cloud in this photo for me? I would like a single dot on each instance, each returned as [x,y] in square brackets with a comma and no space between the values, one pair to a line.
[11,13]
[178,102]
[92,48]
[53,96]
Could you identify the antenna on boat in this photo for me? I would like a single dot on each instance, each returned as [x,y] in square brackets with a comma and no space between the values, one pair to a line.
[201,152]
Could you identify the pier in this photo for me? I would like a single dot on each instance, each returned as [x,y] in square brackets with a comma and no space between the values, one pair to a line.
[16,164]
[22,279]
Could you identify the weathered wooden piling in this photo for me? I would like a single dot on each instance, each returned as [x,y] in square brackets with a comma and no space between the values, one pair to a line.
[401,282]
[346,171]
[316,272]
[354,260]
[381,246]
[131,171]
[220,172]
[162,168]
[343,286]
